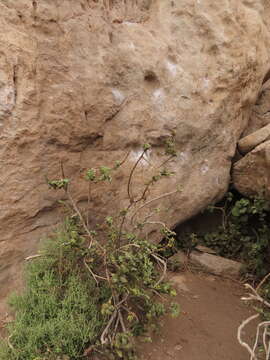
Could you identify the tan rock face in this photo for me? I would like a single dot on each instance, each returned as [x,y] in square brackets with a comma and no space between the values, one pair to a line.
[84,82]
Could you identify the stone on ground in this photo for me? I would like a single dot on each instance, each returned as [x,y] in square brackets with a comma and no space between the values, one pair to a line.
[215,264]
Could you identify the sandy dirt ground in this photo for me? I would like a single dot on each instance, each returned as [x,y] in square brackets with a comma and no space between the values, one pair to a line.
[211,311]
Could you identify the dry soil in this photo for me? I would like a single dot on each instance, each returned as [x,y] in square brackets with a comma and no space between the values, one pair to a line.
[211,311]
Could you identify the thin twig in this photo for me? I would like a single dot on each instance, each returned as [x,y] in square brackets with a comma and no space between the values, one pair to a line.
[82,220]
[131,174]
[120,233]
[166,161]
[254,296]
[95,276]
[124,160]
[88,204]
[115,328]
[264,339]
[122,321]
[107,328]
[142,197]
[122,301]
[239,335]
[163,262]
[78,211]
[150,201]
[32,257]
[262,282]
[9,343]
[155,223]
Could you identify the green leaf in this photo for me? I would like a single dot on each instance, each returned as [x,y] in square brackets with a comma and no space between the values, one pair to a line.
[146,147]
[175,310]
[91,175]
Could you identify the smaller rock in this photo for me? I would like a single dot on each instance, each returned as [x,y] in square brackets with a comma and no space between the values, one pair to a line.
[216,264]
[170,353]
[178,347]
[249,142]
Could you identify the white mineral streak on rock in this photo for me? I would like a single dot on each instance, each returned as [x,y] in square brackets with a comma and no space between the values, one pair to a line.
[172,68]
[129,23]
[7,98]
[183,156]
[136,154]
[206,83]
[118,95]
[131,46]
[204,169]
[159,95]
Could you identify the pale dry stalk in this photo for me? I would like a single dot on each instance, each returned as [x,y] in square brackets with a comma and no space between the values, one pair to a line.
[262,330]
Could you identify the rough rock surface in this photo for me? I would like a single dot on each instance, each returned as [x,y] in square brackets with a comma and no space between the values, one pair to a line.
[251,174]
[84,82]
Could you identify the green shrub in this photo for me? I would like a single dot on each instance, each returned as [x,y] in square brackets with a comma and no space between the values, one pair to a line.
[92,290]
[58,312]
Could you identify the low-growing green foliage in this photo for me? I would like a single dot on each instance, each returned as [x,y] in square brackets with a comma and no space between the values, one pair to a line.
[244,234]
[90,291]
[57,314]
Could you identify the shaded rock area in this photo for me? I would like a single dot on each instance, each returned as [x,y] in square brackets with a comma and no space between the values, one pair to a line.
[84,82]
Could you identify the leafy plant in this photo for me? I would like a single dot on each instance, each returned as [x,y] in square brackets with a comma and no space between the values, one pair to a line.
[244,234]
[58,312]
[92,290]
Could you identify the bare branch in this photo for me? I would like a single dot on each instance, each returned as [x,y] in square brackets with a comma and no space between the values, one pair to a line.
[32,257]
[163,262]
[95,276]
[262,282]
[254,296]
[9,343]
[122,321]
[239,336]
[103,339]
[150,201]
[131,175]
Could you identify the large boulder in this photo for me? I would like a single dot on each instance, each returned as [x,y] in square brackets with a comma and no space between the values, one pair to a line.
[83,82]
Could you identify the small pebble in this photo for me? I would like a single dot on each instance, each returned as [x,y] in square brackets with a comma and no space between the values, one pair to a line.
[178,347]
